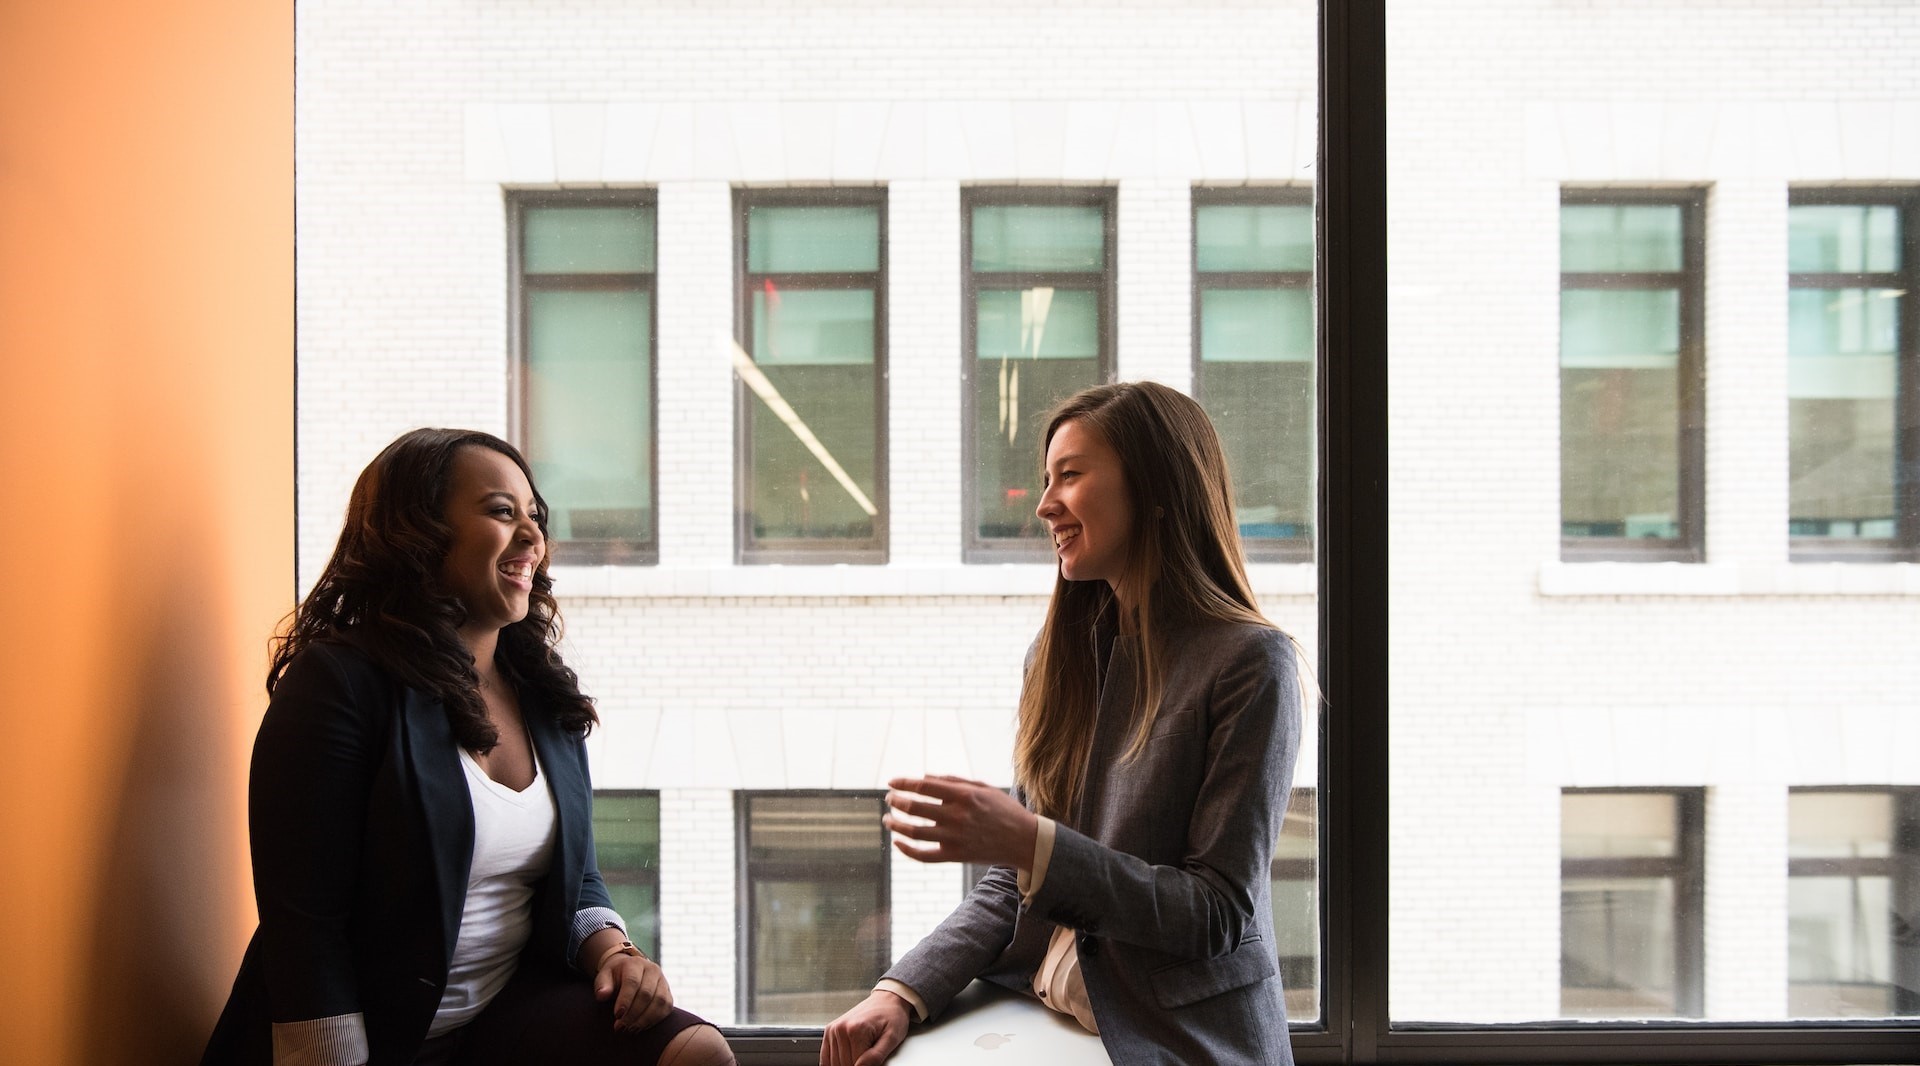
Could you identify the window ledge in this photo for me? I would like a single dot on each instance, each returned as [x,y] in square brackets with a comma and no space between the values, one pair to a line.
[893,579]
[1729,579]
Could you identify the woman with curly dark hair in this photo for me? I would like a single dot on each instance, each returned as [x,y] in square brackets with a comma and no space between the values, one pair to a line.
[419,803]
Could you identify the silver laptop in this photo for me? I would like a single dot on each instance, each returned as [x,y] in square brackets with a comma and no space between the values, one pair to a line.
[992,1026]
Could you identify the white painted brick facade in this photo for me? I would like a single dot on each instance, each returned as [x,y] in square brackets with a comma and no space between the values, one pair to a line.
[1512,675]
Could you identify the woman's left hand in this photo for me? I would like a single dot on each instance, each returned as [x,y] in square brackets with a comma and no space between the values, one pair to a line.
[638,989]
[959,820]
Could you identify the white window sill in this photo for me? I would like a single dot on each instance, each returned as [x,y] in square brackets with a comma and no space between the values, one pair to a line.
[893,579]
[1729,579]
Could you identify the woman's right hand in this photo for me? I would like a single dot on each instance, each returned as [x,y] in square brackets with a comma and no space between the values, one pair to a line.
[867,1034]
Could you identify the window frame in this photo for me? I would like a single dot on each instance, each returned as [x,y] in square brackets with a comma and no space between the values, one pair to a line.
[1104,283]
[745,969]
[1903,877]
[1352,582]
[1687,868]
[748,551]
[575,551]
[1691,404]
[1261,549]
[1904,545]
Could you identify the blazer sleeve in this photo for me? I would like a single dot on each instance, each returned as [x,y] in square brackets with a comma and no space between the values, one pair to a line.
[313,766]
[964,945]
[1203,907]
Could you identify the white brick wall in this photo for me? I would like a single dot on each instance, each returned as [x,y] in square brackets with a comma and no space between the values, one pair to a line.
[1512,675]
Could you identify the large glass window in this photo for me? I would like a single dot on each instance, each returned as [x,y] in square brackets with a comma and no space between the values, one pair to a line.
[1039,308]
[626,842]
[1850,366]
[813,376]
[1631,394]
[1253,349]
[1853,903]
[817,934]
[586,370]
[1630,904]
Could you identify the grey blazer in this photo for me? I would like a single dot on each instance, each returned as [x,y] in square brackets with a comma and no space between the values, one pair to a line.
[1164,871]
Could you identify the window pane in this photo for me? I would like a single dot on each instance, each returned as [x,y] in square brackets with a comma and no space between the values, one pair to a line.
[1843,374]
[626,838]
[589,412]
[812,239]
[1256,325]
[817,886]
[797,491]
[1019,237]
[812,426]
[817,327]
[589,240]
[1264,413]
[1296,904]
[1843,238]
[1597,238]
[1254,237]
[1616,956]
[1854,879]
[1035,347]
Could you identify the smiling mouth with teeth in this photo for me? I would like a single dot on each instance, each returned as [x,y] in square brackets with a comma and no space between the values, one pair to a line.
[1060,539]
[519,571]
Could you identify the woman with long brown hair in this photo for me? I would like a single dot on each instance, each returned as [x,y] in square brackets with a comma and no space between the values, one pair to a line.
[1159,721]
[419,806]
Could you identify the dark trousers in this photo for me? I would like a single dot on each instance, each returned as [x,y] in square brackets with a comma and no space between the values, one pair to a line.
[537,1020]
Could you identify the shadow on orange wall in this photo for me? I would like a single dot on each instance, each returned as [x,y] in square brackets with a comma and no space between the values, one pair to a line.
[146,437]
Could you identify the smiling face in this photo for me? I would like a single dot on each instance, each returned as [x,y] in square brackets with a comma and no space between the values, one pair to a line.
[1086,505]
[497,544]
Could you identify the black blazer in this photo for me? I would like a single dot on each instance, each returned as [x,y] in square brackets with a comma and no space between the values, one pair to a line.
[362,838]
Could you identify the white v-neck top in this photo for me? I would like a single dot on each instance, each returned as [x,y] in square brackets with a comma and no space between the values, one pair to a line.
[513,834]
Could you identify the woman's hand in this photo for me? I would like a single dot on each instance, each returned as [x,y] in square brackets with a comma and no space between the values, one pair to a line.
[960,820]
[638,989]
[867,1034]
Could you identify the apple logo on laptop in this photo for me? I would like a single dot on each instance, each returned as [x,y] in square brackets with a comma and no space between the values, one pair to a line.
[992,1041]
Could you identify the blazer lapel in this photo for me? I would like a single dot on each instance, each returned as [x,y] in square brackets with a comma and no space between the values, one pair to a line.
[445,801]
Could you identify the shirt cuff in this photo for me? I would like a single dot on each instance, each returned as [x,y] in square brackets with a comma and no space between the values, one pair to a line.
[888,984]
[337,1041]
[1042,854]
[588,921]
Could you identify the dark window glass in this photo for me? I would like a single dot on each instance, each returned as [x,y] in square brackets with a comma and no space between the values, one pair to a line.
[813,374]
[1253,371]
[586,368]
[1039,299]
[817,929]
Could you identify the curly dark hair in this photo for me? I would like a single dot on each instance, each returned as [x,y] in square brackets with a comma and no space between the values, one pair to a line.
[381,592]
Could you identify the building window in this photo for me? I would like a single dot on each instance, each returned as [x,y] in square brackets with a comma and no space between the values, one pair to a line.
[626,842]
[1038,329]
[1853,903]
[1851,384]
[585,396]
[1631,388]
[1253,357]
[812,376]
[815,883]
[1631,888]
[1296,905]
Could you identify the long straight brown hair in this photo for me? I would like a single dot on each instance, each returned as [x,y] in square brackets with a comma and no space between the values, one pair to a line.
[1184,564]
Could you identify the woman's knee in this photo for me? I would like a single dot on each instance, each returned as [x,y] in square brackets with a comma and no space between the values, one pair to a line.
[699,1045]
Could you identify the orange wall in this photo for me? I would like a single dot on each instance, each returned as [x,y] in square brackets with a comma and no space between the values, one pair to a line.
[146,437]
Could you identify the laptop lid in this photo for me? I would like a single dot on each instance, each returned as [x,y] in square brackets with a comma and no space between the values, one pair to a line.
[994,1026]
